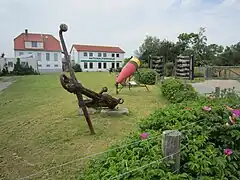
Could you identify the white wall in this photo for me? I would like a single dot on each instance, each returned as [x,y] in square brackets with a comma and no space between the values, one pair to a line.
[44,65]
[79,57]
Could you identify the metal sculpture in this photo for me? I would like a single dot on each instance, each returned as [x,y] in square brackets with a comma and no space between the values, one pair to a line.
[72,85]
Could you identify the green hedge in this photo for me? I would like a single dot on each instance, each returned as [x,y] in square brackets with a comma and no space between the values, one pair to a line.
[145,76]
[204,138]
[176,91]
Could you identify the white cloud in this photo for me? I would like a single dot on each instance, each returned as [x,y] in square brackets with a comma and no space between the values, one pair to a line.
[124,23]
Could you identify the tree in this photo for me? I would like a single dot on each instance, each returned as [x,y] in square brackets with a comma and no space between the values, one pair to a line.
[194,43]
[156,47]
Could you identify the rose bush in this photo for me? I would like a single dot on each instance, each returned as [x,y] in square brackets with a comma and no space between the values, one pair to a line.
[176,91]
[209,148]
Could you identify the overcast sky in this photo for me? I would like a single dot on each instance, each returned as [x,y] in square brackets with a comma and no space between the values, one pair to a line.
[123,23]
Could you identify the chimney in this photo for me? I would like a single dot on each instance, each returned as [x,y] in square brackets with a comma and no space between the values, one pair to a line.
[26,31]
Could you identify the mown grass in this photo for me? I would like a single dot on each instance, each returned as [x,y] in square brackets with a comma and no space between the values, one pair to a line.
[40,126]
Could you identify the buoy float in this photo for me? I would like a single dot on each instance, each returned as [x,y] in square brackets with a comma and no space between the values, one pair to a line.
[128,70]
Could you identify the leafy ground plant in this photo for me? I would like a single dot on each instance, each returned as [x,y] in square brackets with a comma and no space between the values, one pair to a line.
[176,91]
[210,149]
[145,76]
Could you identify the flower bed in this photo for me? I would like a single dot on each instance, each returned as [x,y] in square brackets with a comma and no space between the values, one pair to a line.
[209,148]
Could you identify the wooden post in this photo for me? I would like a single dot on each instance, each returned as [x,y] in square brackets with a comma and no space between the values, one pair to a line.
[217,91]
[171,145]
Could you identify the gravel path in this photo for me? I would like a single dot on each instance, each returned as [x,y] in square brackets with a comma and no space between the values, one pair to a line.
[208,86]
[5,82]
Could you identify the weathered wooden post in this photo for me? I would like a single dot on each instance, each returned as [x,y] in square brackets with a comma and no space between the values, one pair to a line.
[171,148]
[217,91]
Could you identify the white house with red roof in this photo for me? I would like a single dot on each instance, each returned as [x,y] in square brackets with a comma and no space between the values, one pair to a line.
[45,48]
[97,58]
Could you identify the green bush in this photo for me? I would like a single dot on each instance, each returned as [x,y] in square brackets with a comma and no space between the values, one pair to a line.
[20,69]
[176,91]
[145,76]
[204,138]
[77,68]
[169,69]
[198,74]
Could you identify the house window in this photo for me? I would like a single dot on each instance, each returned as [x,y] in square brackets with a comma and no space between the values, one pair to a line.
[10,64]
[104,65]
[90,65]
[55,65]
[39,56]
[85,54]
[113,65]
[55,56]
[99,54]
[91,54]
[117,65]
[39,65]
[85,65]
[48,65]
[117,55]
[34,43]
[20,53]
[99,65]
[113,55]
[48,56]
[104,54]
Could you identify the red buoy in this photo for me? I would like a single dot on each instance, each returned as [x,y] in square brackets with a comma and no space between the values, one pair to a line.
[128,70]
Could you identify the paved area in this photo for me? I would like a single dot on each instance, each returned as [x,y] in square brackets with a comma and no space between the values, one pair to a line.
[5,82]
[208,86]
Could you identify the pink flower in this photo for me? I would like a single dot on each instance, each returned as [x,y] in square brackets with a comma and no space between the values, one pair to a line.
[144,135]
[187,108]
[207,108]
[228,152]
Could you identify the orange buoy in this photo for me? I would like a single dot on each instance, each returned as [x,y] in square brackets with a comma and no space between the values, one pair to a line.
[128,70]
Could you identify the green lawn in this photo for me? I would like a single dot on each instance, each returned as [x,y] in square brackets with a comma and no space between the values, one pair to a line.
[40,126]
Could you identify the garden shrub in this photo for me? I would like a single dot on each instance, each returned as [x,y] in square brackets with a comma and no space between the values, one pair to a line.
[169,69]
[145,76]
[19,70]
[176,91]
[204,140]
[77,68]
[198,74]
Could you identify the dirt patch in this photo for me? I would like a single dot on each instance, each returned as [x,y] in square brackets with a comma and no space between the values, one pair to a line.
[208,86]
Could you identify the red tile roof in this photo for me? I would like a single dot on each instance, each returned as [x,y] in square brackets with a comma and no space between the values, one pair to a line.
[91,48]
[50,42]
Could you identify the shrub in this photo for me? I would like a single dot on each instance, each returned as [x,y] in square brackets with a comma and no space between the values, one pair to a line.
[145,76]
[176,91]
[144,65]
[204,138]
[20,69]
[198,74]
[77,68]
[169,69]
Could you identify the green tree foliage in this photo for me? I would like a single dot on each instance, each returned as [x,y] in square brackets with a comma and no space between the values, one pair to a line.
[194,43]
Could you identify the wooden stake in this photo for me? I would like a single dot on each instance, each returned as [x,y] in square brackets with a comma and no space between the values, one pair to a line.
[217,91]
[171,148]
